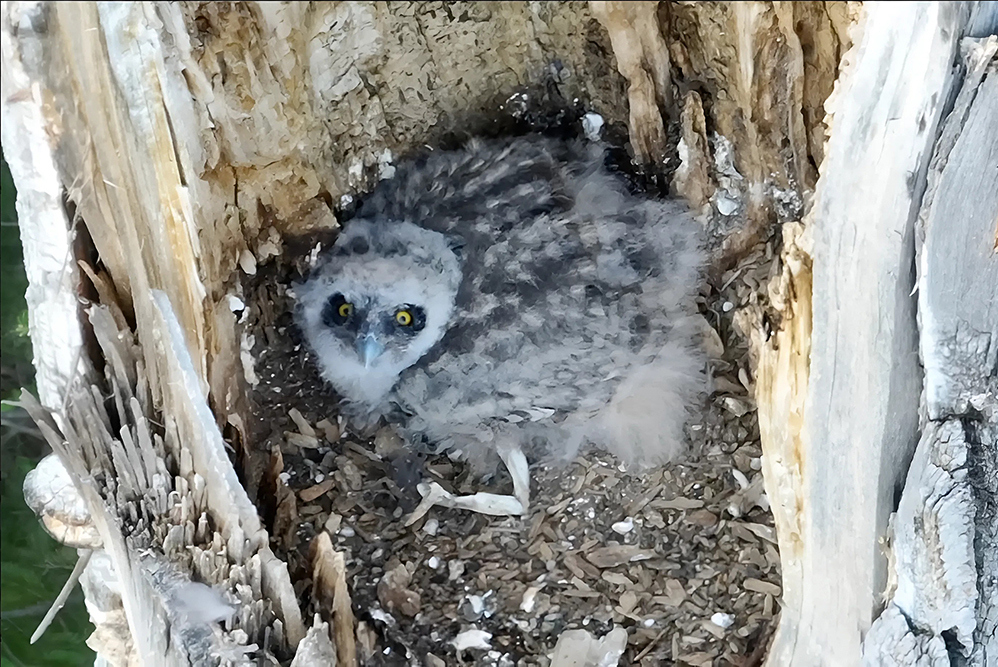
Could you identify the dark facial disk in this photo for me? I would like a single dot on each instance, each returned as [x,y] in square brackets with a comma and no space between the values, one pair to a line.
[338,312]
[410,319]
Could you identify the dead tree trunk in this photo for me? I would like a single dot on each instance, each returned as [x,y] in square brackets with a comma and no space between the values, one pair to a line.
[162,149]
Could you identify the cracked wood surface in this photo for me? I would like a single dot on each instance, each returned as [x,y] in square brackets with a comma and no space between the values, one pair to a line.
[945,532]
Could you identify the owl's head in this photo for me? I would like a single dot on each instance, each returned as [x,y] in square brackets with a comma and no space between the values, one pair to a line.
[379,299]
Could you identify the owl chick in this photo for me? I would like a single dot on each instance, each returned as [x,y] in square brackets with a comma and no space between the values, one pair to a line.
[509,297]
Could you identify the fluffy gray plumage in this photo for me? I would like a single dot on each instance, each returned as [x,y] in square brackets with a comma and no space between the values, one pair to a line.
[545,305]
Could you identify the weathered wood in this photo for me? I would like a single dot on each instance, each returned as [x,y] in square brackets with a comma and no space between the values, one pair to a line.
[54,317]
[140,505]
[643,59]
[782,372]
[891,643]
[933,542]
[958,281]
[983,473]
[958,270]
[843,450]
[316,648]
[331,593]
[945,542]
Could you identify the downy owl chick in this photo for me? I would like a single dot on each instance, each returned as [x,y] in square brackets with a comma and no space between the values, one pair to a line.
[513,292]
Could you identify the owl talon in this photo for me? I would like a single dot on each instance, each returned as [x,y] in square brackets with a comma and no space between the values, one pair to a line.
[432,494]
[483,503]
[519,471]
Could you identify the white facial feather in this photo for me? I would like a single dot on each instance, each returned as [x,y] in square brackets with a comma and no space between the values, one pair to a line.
[403,265]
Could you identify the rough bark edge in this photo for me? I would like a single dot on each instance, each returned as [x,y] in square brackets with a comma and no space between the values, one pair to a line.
[859,235]
[946,529]
[53,313]
[28,107]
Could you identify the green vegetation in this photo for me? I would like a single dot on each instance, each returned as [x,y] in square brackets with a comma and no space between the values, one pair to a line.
[15,346]
[34,566]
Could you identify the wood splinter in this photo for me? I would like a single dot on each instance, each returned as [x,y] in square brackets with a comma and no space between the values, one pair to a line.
[60,600]
[331,592]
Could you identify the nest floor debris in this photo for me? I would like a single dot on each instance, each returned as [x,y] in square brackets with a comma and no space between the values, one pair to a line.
[684,557]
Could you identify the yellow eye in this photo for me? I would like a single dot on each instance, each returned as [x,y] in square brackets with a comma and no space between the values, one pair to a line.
[403,317]
[345,310]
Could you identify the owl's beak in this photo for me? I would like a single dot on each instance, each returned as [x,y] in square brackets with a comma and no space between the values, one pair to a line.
[369,349]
